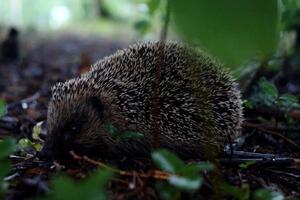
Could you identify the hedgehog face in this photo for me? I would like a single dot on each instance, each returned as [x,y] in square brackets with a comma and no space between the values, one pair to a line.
[74,125]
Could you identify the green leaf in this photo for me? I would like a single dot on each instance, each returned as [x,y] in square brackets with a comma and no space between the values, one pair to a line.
[204,166]
[167,161]
[186,183]
[111,129]
[153,5]
[247,164]
[234,31]
[7,147]
[193,170]
[288,102]
[248,104]
[268,88]
[2,107]
[263,194]
[36,130]
[131,134]
[167,192]
[289,97]
[5,167]
[24,143]
[264,94]
[237,193]
[92,188]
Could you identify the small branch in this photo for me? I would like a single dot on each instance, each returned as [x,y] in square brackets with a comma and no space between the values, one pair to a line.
[262,129]
[243,154]
[271,127]
[277,113]
[274,162]
[22,102]
[155,174]
[9,126]
[260,159]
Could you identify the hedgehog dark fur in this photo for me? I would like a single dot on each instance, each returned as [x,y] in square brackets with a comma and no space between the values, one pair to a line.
[200,104]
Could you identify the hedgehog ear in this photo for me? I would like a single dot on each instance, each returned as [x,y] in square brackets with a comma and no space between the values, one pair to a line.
[97,104]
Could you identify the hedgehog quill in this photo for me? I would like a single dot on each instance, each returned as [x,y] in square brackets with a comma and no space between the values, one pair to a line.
[200,105]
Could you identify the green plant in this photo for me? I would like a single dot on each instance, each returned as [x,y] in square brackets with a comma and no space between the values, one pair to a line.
[184,177]
[263,194]
[2,107]
[119,135]
[237,193]
[243,193]
[92,188]
[247,164]
[7,146]
[266,93]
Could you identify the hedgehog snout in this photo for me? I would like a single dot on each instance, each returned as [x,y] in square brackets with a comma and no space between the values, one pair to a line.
[54,149]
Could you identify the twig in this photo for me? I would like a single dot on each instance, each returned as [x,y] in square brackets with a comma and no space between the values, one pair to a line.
[285,173]
[240,157]
[9,126]
[279,114]
[280,128]
[243,154]
[262,129]
[155,174]
[282,162]
[23,101]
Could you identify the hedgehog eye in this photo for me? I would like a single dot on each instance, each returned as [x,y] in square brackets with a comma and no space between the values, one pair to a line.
[72,129]
[70,132]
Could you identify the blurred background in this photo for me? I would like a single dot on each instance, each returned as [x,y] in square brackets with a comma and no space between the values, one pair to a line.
[125,20]
[43,42]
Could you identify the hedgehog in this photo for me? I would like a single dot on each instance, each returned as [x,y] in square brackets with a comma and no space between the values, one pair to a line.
[200,105]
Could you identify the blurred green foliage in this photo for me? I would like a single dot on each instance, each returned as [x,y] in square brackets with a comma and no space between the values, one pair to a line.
[247,164]
[291,14]
[237,193]
[243,193]
[184,177]
[266,93]
[235,31]
[7,146]
[263,194]
[108,17]
[2,108]
[92,188]
[119,135]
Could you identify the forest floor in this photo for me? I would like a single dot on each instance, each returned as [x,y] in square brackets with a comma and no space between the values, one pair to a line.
[25,86]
